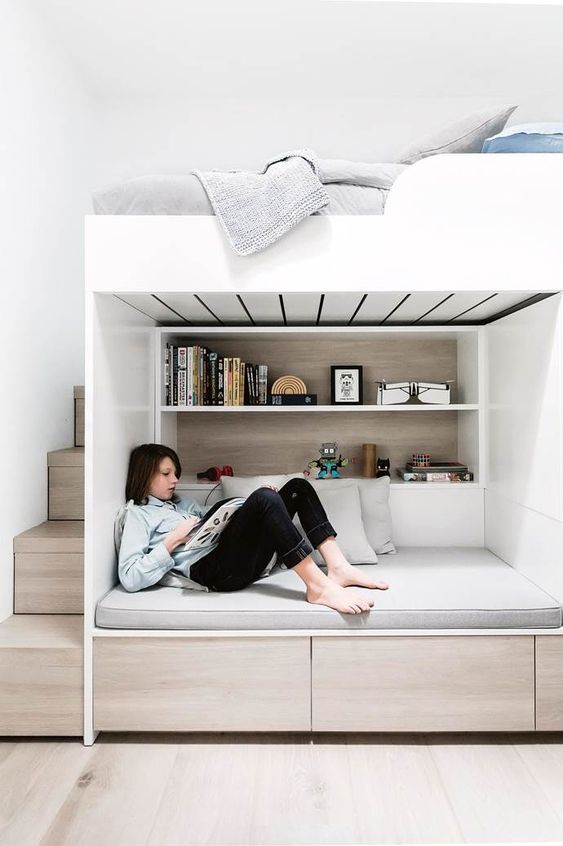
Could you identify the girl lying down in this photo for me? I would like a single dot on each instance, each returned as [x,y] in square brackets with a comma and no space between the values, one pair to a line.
[158,522]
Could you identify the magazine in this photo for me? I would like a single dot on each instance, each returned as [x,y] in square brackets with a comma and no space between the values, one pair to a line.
[207,531]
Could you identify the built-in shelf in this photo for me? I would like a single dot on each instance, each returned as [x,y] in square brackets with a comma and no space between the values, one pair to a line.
[321,408]
[218,434]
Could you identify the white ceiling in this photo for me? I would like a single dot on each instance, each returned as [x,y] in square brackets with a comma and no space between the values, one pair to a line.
[332,309]
[308,48]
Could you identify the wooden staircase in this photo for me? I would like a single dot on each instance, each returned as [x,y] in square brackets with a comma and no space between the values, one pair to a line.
[41,644]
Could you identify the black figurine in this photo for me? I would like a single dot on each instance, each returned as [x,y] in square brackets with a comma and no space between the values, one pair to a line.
[383,468]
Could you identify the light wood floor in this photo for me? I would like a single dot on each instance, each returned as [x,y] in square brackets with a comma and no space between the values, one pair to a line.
[167,790]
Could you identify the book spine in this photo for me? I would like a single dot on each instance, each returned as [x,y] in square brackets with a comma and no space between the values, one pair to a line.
[247,387]
[213,377]
[174,375]
[182,387]
[220,380]
[410,468]
[435,477]
[230,382]
[226,366]
[242,379]
[262,384]
[200,377]
[190,376]
[236,380]
[167,375]
[293,399]
[182,374]
[205,376]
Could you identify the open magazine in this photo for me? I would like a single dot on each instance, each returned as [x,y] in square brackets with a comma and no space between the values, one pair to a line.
[206,532]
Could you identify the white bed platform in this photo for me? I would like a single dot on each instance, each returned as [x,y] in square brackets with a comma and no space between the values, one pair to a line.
[465,255]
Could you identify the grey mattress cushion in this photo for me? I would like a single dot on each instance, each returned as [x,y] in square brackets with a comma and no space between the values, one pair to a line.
[430,587]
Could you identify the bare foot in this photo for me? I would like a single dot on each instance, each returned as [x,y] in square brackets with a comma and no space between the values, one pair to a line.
[345,575]
[335,596]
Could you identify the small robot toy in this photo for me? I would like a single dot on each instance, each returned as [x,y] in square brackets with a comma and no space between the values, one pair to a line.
[328,464]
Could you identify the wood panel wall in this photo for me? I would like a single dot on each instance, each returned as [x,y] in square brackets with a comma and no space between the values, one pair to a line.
[283,442]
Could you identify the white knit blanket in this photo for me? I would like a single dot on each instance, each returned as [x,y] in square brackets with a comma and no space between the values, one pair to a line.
[255,209]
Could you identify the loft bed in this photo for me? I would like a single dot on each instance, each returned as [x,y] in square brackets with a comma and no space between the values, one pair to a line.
[438,252]
[434,213]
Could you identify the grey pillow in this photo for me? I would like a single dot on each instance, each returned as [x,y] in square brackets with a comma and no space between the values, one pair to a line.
[465,135]
[342,505]
[376,514]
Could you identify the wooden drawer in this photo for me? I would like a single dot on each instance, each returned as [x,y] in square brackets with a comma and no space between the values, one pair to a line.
[66,493]
[457,683]
[48,583]
[549,683]
[202,684]
[41,672]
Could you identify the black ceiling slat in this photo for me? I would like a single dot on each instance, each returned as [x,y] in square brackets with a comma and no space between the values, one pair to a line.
[282,306]
[211,312]
[243,304]
[320,310]
[173,310]
[486,300]
[405,298]
[535,298]
[430,310]
[358,307]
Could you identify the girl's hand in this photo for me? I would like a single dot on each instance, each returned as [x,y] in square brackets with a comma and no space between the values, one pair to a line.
[183,529]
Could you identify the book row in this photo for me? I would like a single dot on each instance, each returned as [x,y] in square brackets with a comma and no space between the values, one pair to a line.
[199,376]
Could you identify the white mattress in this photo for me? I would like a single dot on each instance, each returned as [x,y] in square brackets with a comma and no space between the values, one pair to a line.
[430,587]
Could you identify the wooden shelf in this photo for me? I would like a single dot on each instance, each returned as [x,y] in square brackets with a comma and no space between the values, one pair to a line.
[319,408]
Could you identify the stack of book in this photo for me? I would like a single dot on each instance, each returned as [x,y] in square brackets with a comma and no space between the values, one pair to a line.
[198,376]
[436,471]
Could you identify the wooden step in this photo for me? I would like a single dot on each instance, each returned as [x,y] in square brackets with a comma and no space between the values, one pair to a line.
[66,484]
[41,666]
[49,569]
[79,415]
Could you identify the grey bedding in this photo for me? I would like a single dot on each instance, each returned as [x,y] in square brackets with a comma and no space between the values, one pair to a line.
[352,187]
[430,588]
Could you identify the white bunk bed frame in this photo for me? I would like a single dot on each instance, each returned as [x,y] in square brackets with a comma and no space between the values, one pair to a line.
[453,223]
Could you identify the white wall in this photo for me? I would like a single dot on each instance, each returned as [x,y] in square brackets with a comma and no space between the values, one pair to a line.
[44,131]
[524,496]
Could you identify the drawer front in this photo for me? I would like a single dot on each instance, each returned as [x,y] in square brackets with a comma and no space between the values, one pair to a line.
[48,583]
[423,683]
[202,684]
[549,683]
[41,691]
[66,493]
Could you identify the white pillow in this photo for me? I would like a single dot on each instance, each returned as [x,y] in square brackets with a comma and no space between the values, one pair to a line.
[342,505]
[244,485]
[376,514]
[341,500]
[465,135]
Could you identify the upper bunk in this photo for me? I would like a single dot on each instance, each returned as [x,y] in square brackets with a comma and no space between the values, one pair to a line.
[452,222]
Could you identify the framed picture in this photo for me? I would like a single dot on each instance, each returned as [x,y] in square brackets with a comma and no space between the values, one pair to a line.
[346,384]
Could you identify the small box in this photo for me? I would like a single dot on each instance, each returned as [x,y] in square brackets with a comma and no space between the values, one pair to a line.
[393,393]
[437,393]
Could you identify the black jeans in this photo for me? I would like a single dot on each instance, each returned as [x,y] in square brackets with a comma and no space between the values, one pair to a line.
[262,526]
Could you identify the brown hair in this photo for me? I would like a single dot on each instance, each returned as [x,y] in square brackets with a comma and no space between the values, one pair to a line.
[143,464]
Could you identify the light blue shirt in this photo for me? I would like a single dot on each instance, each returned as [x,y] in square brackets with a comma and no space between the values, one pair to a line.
[143,558]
